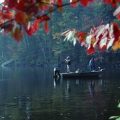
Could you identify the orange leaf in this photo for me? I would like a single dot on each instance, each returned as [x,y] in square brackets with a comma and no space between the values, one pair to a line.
[17,34]
[21,18]
[46,28]
[116,45]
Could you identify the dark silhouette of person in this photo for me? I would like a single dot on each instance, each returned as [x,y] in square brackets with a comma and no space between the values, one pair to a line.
[56,73]
[92,64]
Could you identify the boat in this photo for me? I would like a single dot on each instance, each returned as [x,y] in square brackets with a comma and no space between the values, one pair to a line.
[82,75]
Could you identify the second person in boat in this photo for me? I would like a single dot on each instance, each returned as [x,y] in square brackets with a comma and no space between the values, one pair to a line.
[92,64]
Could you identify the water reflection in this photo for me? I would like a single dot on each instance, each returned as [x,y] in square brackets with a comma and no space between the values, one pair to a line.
[92,97]
[67,89]
[91,86]
[24,105]
[32,94]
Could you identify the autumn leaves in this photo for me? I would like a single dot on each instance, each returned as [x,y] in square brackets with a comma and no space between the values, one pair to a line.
[101,38]
[20,16]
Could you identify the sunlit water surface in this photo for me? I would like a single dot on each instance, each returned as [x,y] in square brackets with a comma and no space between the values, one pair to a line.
[32,94]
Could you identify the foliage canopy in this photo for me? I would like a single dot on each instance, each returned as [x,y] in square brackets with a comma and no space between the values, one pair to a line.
[19,16]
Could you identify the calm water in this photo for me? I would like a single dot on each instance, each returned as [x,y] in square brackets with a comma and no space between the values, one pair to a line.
[32,94]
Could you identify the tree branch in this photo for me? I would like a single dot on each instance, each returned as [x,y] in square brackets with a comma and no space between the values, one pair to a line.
[56,7]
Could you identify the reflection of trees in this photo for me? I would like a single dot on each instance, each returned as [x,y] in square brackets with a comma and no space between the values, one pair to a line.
[17,110]
[96,98]
[83,97]
[24,104]
[35,96]
[20,90]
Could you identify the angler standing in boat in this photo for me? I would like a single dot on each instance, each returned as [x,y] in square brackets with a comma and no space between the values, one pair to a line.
[68,63]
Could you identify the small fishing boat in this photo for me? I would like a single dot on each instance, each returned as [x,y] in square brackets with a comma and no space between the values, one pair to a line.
[84,75]
[78,75]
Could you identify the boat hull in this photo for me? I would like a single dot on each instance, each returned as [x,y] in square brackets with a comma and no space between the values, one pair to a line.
[85,75]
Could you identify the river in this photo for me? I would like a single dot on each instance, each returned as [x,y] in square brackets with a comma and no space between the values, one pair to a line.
[32,94]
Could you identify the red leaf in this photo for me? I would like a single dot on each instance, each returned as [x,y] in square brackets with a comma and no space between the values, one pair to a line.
[5,8]
[81,36]
[90,50]
[85,2]
[21,5]
[43,18]
[73,3]
[116,31]
[118,16]
[33,28]
[36,25]
[33,10]
[103,48]
[112,2]
[7,15]
[30,31]
[59,4]
[43,7]
[11,3]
